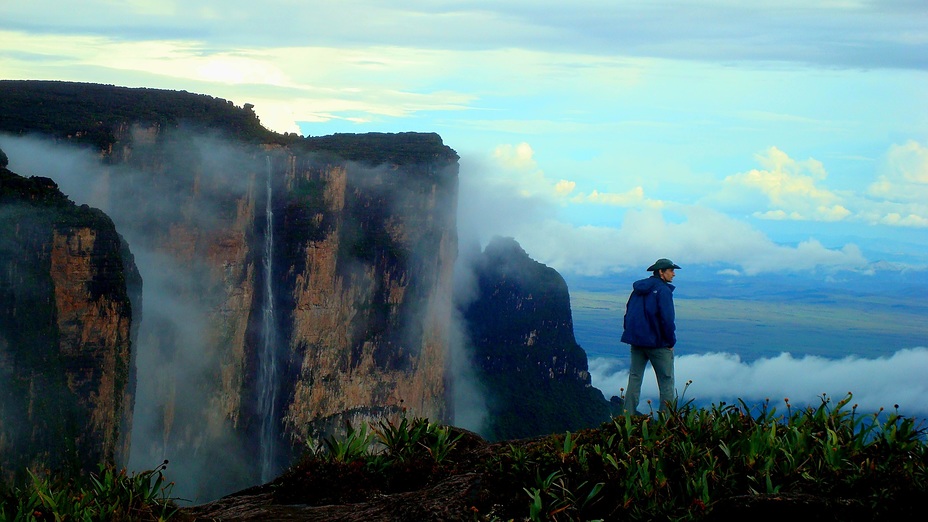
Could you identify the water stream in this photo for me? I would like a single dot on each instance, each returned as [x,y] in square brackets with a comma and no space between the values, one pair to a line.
[267,359]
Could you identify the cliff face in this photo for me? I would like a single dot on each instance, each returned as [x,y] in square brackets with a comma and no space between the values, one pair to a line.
[323,290]
[66,332]
[367,287]
[291,284]
[533,372]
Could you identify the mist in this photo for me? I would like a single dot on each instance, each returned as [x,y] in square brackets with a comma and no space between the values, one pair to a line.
[175,359]
[491,204]
[881,382]
[174,413]
[180,415]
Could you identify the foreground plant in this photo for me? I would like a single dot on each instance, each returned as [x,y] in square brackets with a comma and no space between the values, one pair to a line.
[388,443]
[685,463]
[681,463]
[109,495]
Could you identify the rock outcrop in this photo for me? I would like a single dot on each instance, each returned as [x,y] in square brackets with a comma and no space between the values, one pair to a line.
[316,289]
[69,291]
[367,283]
[533,372]
[291,283]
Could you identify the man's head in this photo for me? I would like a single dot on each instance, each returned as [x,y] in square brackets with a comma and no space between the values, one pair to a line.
[664,269]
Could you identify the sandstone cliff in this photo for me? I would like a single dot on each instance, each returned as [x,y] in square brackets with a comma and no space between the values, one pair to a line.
[67,288]
[367,288]
[533,372]
[291,283]
[307,290]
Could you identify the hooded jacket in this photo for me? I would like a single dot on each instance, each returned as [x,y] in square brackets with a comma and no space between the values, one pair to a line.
[649,315]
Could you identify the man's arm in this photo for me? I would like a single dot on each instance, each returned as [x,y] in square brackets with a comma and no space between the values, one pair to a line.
[666,318]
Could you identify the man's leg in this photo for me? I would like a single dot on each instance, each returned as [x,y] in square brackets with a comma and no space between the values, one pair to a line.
[662,362]
[635,374]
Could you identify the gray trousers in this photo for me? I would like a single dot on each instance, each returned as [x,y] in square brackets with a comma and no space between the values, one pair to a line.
[662,362]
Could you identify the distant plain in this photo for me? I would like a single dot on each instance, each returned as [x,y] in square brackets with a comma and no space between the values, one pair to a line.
[870,316]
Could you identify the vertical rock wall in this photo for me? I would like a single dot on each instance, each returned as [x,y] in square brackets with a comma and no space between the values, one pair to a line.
[66,373]
[371,254]
[524,351]
[364,253]
[366,242]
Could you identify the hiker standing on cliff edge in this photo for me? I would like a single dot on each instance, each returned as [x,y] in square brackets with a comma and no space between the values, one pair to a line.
[650,330]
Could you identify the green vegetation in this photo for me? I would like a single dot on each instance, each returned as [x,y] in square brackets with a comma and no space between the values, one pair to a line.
[678,465]
[97,115]
[92,113]
[375,148]
[386,458]
[109,495]
[388,443]
[682,464]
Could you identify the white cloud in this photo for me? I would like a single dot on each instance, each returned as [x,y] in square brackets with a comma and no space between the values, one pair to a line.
[876,383]
[633,198]
[703,236]
[524,208]
[910,162]
[794,190]
[514,198]
[514,167]
[899,196]
[791,188]
[564,187]
[518,157]
[286,85]
[902,188]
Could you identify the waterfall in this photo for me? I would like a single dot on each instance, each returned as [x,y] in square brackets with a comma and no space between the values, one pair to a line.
[267,359]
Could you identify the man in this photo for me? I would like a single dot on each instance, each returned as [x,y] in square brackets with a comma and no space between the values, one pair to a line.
[650,330]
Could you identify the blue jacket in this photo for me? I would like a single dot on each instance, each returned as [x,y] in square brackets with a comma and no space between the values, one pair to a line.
[649,316]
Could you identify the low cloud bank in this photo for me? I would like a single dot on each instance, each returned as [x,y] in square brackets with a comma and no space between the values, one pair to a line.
[883,382]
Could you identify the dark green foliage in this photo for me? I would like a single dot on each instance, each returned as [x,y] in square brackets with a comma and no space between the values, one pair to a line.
[92,113]
[390,458]
[686,461]
[108,495]
[96,115]
[406,148]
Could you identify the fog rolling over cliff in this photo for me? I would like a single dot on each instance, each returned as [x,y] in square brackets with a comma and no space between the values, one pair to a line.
[293,285]
[68,290]
[360,285]
[528,364]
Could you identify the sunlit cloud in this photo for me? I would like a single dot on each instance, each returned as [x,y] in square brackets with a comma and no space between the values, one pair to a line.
[703,236]
[515,170]
[905,175]
[564,187]
[286,85]
[792,188]
[520,203]
[633,198]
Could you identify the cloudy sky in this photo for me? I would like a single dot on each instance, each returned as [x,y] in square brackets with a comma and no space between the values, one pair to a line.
[760,136]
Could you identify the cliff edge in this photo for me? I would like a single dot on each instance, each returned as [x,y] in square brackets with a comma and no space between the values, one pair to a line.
[67,287]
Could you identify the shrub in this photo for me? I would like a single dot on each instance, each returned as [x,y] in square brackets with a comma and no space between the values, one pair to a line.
[109,495]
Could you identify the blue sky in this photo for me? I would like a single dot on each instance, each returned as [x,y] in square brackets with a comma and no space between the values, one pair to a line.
[762,136]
